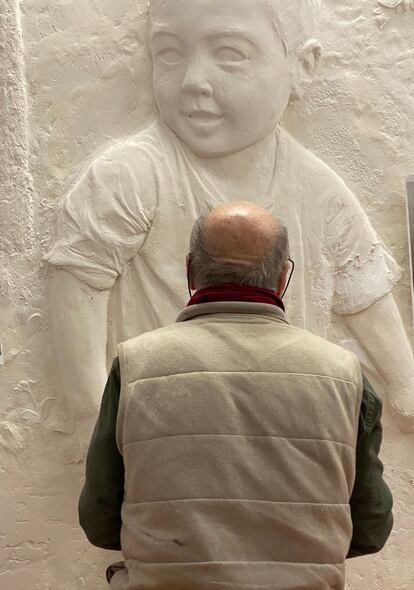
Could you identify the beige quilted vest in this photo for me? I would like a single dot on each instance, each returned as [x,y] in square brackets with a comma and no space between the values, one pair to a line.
[238,433]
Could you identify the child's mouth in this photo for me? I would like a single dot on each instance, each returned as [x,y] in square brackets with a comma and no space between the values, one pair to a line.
[203,118]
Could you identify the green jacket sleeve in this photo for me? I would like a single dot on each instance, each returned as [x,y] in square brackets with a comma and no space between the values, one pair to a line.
[102,495]
[371,500]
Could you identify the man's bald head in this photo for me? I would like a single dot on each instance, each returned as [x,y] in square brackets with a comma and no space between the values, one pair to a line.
[241,233]
[239,243]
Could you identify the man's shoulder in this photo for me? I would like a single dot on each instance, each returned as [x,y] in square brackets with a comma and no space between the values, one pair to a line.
[151,354]
[173,337]
[151,339]
[179,348]
[313,351]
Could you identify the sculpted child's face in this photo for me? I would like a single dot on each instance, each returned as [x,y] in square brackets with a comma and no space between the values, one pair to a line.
[221,76]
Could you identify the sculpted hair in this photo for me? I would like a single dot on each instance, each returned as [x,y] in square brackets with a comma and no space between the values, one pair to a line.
[295,21]
[208,271]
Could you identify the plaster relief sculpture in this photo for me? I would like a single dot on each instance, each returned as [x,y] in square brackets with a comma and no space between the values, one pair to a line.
[224,71]
[386,7]
[410,217]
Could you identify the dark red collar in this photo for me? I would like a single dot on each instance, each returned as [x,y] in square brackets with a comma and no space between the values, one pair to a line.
[231,292]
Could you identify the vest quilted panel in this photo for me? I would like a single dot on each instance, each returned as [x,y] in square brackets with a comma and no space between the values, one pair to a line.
[238,475]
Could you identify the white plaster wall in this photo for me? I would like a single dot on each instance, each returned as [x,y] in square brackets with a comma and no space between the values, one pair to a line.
[88,82]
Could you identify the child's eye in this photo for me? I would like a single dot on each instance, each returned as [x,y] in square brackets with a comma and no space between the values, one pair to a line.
[230,55]
[170,57]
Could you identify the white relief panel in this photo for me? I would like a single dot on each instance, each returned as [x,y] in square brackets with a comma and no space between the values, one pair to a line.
[124,225]
[83,78]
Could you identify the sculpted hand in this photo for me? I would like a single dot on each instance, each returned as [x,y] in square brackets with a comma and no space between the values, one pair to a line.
[380,332]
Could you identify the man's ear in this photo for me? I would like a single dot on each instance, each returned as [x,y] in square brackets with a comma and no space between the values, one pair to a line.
[307,64]
[282,280]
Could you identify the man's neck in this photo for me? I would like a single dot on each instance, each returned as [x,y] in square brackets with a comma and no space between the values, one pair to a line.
[247,174]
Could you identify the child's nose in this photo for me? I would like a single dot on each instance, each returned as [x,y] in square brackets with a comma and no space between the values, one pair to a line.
[196,81]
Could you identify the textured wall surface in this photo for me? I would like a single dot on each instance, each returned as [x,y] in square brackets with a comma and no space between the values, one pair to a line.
[74,76]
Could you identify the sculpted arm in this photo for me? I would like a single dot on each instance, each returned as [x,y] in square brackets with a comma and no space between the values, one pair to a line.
[380,331]
[79,329]
[365,275]
[102,224]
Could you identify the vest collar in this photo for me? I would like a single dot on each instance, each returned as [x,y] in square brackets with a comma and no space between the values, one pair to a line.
[232,307]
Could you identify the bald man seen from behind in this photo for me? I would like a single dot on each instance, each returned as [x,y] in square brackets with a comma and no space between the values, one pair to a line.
[233,449]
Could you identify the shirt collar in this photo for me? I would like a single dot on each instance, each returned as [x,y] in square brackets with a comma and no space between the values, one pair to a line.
[235,292]
[232,307]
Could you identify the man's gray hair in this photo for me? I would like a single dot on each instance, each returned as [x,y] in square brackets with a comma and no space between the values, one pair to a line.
[209,271]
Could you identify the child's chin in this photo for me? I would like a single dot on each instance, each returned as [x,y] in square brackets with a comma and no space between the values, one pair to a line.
[209,151]
[211,147]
